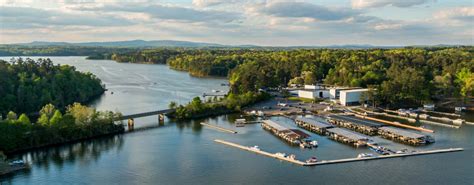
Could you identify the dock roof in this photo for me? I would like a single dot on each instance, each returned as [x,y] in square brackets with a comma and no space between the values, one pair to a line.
[402,132]
[315,122]
[347,133]
[275,125]
[356,120]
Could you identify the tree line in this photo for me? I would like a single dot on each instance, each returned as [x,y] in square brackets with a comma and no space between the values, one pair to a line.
[26,85]
[400,77]
[55,127]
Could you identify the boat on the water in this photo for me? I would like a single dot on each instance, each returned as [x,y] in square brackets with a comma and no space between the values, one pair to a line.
[255,148]
[365,155]
[312,160]
[279,154]
[292,156]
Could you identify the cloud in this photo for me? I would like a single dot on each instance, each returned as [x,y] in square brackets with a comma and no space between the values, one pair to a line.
[306,10]
[22,17]
[170,12]
[460,13]
[382,3]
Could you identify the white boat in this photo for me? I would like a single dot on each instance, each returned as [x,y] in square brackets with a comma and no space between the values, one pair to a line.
[314,143]
[255,148]
[292,156]
[279,154]
[459,109]
[364,155]
[312,160]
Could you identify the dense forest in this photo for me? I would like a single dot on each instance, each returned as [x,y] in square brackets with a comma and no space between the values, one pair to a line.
[400,77]
[54,127]
[93,52]
[26,85]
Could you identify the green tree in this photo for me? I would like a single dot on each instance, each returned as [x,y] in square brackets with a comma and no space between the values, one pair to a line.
[57,118]
[465,79]
[82,114]
[172,105]
[48,110]
[12,116]
[24,119]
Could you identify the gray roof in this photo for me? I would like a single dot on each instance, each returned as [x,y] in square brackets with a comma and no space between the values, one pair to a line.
[315,122]
[356,120]
[275,125]
[402,132]
[347,133]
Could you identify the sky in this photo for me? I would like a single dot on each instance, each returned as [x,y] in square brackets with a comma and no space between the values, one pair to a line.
[238,22]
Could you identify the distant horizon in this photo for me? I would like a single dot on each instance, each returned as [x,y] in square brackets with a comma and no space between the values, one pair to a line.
[241,22]
[229,45]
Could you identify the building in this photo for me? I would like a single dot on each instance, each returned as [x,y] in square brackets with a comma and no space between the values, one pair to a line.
[347,137]
[290,135]
[351,97]
[404,136]
[356,124]
[334,92]
[313,94]
[313,125]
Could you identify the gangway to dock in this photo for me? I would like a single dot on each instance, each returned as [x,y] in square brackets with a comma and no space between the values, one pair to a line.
[325,162]
[219,128]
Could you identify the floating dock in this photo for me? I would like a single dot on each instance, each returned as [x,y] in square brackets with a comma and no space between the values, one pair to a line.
[395,124]
[219,128]
[261,152]
[325,162]
[363,126]
[317,126]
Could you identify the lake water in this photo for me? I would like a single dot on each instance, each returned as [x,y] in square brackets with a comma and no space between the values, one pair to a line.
[185,153]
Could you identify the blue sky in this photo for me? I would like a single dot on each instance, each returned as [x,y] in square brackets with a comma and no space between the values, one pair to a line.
[260,22]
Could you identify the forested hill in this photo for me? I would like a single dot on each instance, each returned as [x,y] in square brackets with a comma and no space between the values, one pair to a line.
[27,85]
[401,77]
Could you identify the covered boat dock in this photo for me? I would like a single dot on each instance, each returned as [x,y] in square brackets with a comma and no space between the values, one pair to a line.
[405,136]
[347,136]
[313,125]
[290,135]
[353,123]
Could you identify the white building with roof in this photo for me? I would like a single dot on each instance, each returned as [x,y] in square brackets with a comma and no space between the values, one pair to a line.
[351,97]
[313,94]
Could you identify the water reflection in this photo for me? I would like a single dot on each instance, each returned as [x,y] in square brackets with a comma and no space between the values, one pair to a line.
[84,152]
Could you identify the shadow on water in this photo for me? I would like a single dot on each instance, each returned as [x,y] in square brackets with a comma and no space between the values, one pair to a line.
[83,152]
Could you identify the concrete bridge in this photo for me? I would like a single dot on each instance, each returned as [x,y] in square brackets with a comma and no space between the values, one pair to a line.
[161,116]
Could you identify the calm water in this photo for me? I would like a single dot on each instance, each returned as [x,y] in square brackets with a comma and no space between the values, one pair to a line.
[184,153]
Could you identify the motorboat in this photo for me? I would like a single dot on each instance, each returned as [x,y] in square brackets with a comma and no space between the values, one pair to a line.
[312,160]
[255,148]
[314,143]
[292,156]
[279,154]
[365,155]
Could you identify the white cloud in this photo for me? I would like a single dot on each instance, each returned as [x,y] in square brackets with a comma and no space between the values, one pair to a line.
[460,13]
[262,22]
[307,10]
[382,3]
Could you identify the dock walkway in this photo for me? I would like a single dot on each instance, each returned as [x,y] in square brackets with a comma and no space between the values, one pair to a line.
[219,128]
[325,162]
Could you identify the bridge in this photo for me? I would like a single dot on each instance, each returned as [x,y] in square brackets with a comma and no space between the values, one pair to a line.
[131,123]
[146,114]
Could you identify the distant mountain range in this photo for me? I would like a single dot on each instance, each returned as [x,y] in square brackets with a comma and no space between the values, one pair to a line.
[175,43]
